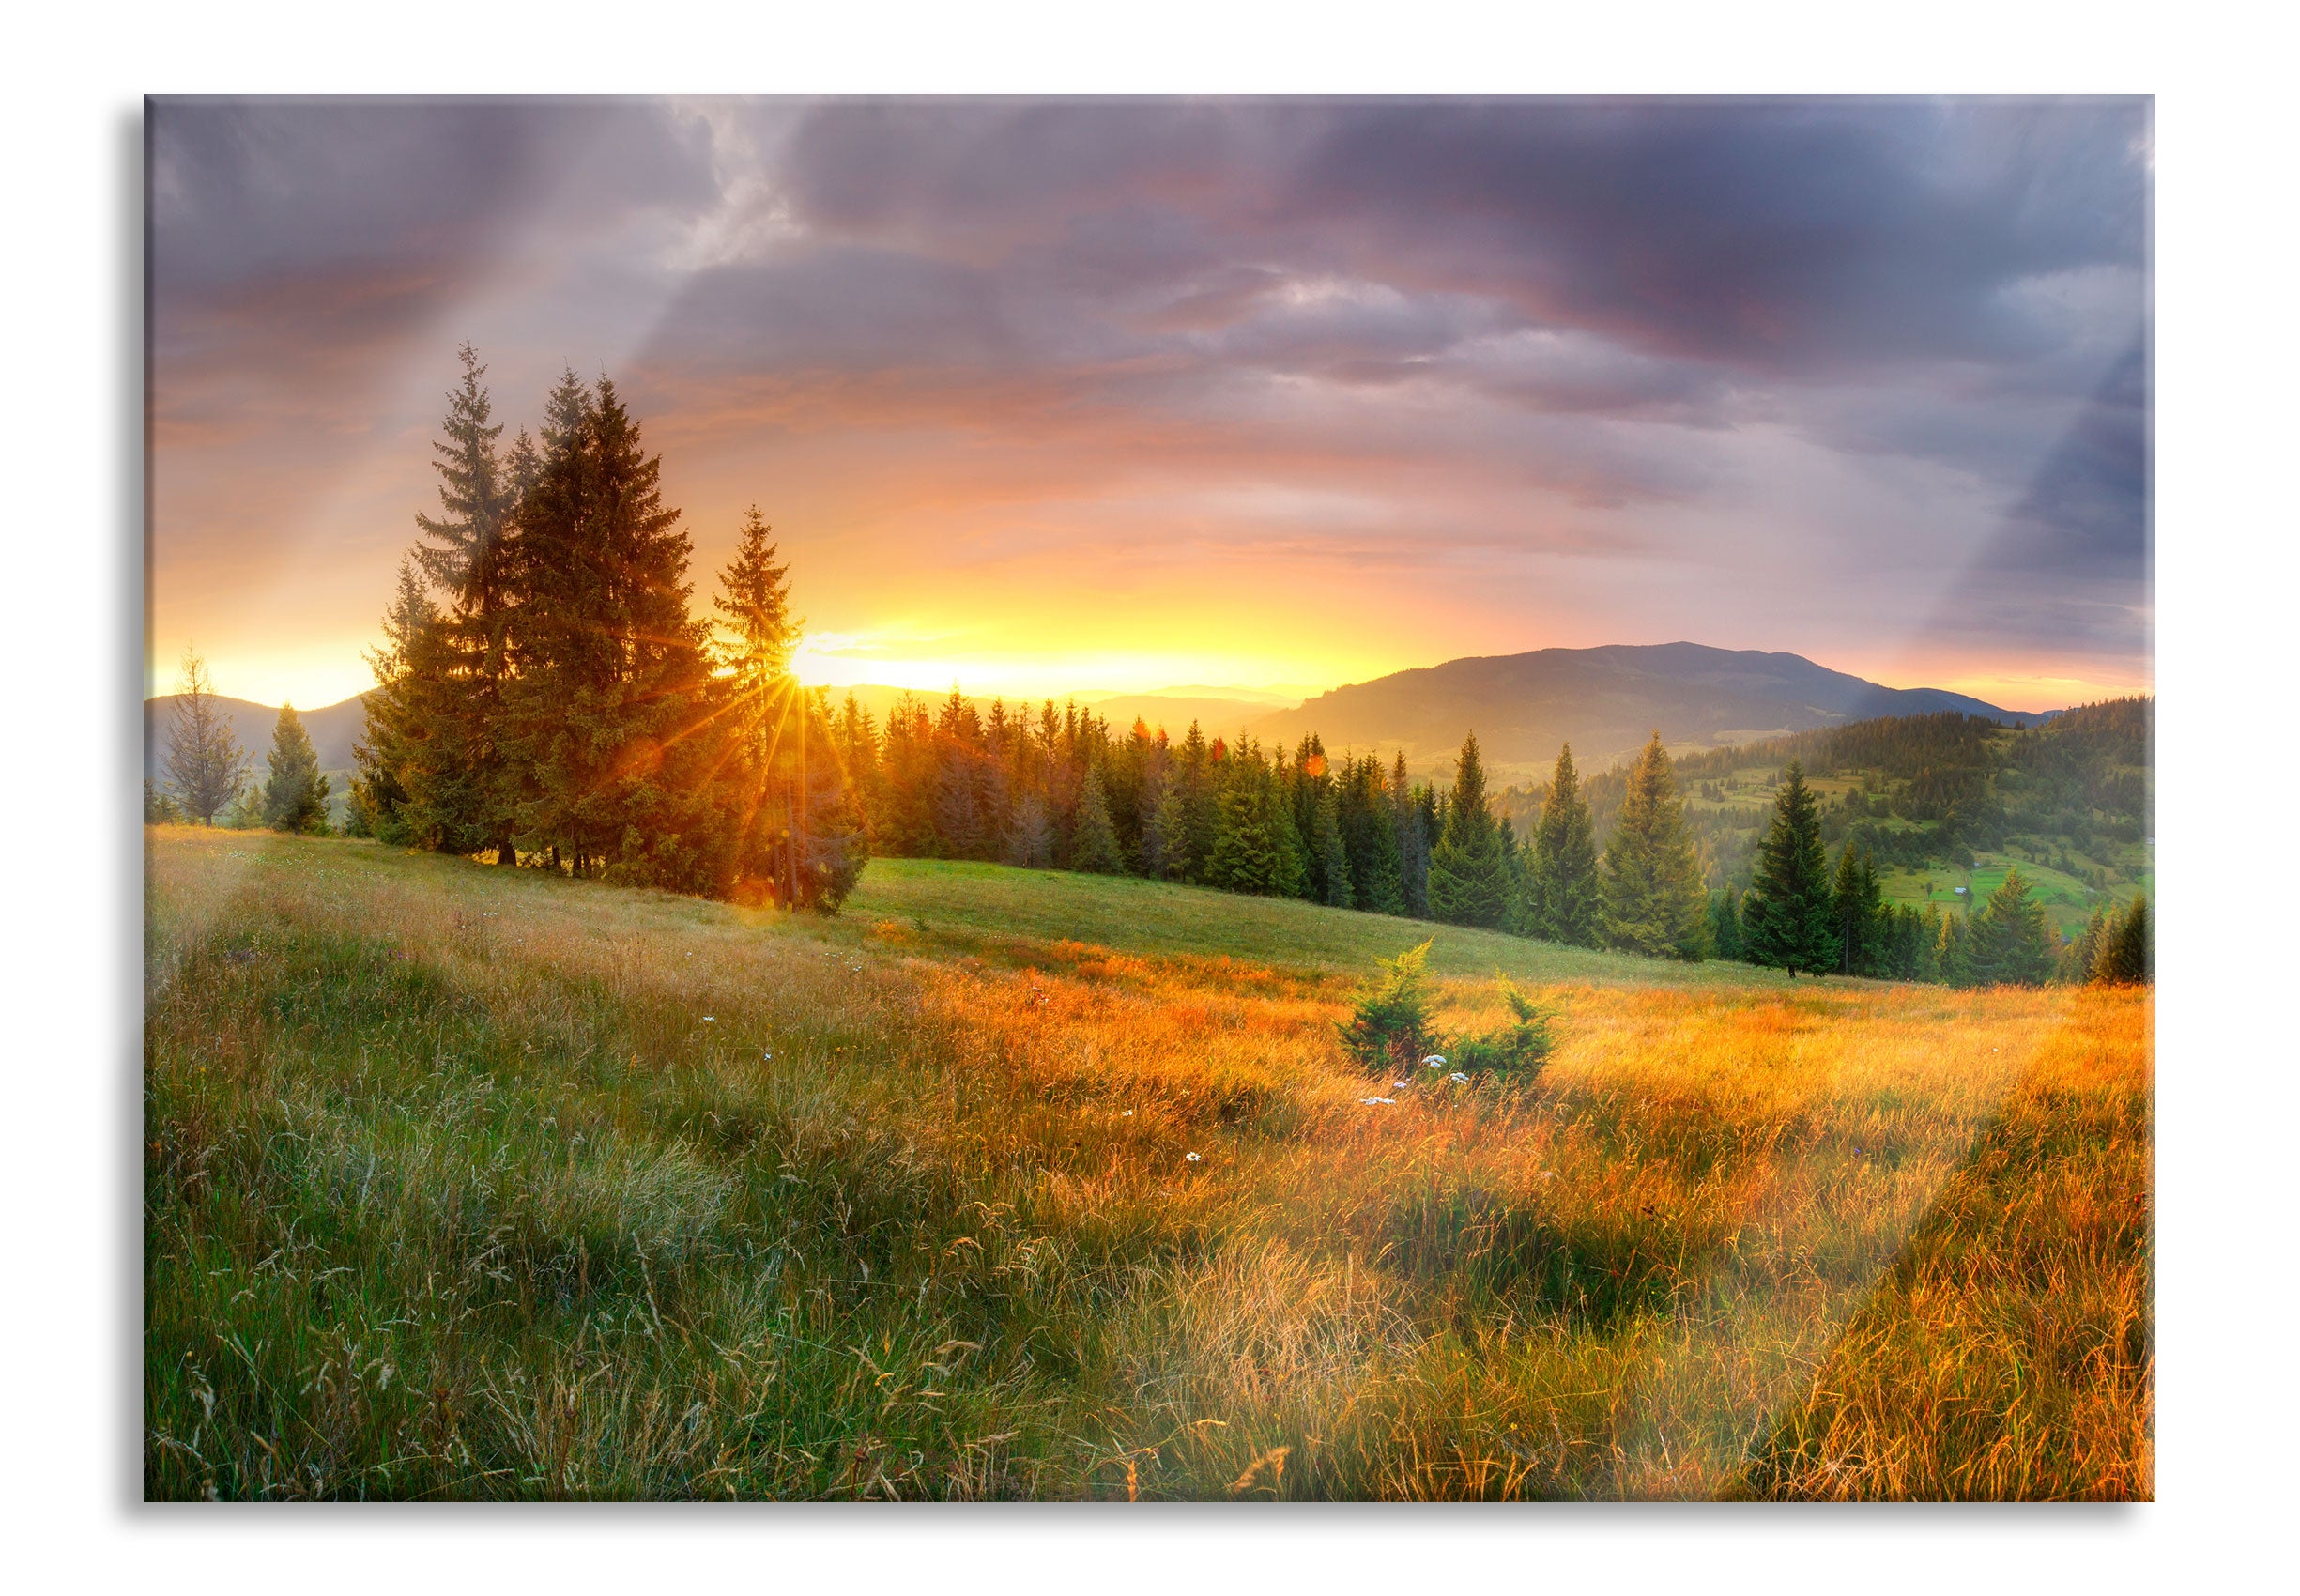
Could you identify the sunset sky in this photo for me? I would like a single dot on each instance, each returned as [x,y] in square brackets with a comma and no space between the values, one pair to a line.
[1049,396]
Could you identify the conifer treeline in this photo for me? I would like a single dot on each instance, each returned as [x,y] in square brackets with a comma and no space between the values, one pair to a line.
[1059,787]
[1796,916]
[544,696]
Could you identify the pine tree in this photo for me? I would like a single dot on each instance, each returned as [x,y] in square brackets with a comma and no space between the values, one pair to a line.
[611,675]
[1200,801]
[2077,960]
[295,794]
[1787,919]
[1287,842]
[1369,829]
[1030,836]
[160,808]
[1241,859]
[460,791]
[1094,845]
[1411,819]
[831,845]
[1926,934]
[207,767]
[393,739]
[754,599]
[1651,900]
[1469,877]
[1326,849]
[854,744]
[1857,904]
[801,826]
[1952,948]
[1725,924]
[1255,846]
[246,812]
[2127,955]
[1564,888]
[2009,941]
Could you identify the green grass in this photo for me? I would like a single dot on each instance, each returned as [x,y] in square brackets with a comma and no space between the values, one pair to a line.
[993,909]
[463,1182]
[2068,900]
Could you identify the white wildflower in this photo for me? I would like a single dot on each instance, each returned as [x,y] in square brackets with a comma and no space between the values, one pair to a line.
[1435,1061]
[1459,1079]
[1371,1101]
[1191,1157]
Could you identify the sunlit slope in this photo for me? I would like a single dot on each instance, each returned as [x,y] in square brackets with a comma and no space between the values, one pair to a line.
[469,1182]
[990,908]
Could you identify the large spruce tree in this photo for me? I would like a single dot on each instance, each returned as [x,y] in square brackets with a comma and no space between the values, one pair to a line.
[1469,880]
[1562,884]
[206,766]
[1789,920]
[294,793]
[611,675]
[1651,900]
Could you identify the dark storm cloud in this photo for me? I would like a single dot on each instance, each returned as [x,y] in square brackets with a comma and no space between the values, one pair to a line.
[1783,237]
[1769,234]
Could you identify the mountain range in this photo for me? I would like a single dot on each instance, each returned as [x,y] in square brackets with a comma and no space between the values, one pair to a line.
[332,729]
[1605,701]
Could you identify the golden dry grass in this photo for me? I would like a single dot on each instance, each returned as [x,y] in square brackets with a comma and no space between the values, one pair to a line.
[453,1189]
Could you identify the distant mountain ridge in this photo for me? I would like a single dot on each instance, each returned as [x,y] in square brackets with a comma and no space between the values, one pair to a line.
[333,729]
[1605,701]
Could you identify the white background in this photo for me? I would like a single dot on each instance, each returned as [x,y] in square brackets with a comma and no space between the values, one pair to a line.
[71,254]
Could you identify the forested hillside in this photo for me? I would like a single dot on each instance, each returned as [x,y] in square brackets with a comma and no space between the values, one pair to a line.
[2072,801]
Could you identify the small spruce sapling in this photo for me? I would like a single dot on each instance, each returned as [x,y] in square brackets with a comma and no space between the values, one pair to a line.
[1391,1026]
[1519,1048]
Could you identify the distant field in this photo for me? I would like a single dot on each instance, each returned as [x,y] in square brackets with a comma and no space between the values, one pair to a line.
[472,1183]
[2068,902]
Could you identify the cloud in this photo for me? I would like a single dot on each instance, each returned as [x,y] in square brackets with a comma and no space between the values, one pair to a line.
[1568,345]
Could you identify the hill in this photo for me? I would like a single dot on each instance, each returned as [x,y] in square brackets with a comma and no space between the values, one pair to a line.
[1945,804]
[333,729]
[1605,701]
[465,1181]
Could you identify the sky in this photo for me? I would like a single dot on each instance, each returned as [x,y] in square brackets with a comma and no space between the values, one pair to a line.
[1051,396]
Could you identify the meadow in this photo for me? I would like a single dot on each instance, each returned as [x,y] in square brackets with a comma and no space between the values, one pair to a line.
[464,1182]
